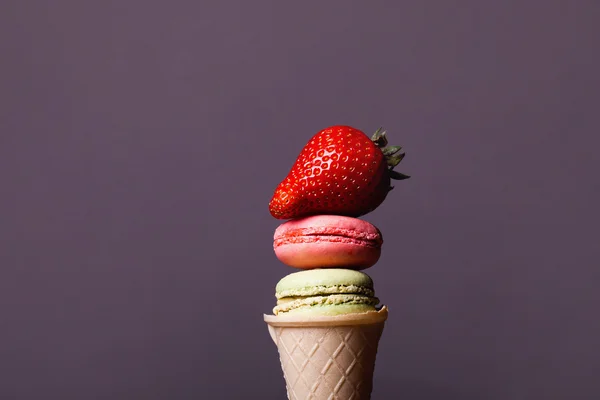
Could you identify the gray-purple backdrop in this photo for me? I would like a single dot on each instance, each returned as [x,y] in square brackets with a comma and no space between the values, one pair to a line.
[140,143]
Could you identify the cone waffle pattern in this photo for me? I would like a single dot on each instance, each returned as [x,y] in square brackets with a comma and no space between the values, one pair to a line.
[329,362]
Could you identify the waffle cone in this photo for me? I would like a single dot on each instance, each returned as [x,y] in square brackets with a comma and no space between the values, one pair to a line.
[328,358]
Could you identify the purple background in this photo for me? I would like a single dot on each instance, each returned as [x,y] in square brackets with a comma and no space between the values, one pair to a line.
[140,142]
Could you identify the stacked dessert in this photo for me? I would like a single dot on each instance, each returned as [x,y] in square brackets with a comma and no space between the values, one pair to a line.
[327,322]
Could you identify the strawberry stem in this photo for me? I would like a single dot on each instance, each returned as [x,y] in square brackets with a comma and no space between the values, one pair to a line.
[392,154]
[394,160]
[397,175]
[379,138]
[391,150]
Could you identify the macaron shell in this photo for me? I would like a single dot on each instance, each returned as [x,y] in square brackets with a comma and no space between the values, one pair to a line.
[313,282]
[330,310]
[325,254]
[322,223]
[316,303]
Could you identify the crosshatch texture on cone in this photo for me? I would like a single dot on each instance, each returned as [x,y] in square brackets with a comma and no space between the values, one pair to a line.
[333,361]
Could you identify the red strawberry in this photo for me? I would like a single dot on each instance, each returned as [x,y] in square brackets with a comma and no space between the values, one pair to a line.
[340,171]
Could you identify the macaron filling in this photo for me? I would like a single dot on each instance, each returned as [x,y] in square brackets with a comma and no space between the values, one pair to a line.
[327,234]
[325,290]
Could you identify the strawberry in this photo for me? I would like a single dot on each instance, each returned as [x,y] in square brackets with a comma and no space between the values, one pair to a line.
[340,171]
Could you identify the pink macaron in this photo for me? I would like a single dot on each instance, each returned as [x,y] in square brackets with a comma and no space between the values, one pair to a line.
[328,241]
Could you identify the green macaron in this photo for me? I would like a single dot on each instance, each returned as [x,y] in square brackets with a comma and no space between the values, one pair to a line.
[327,291]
